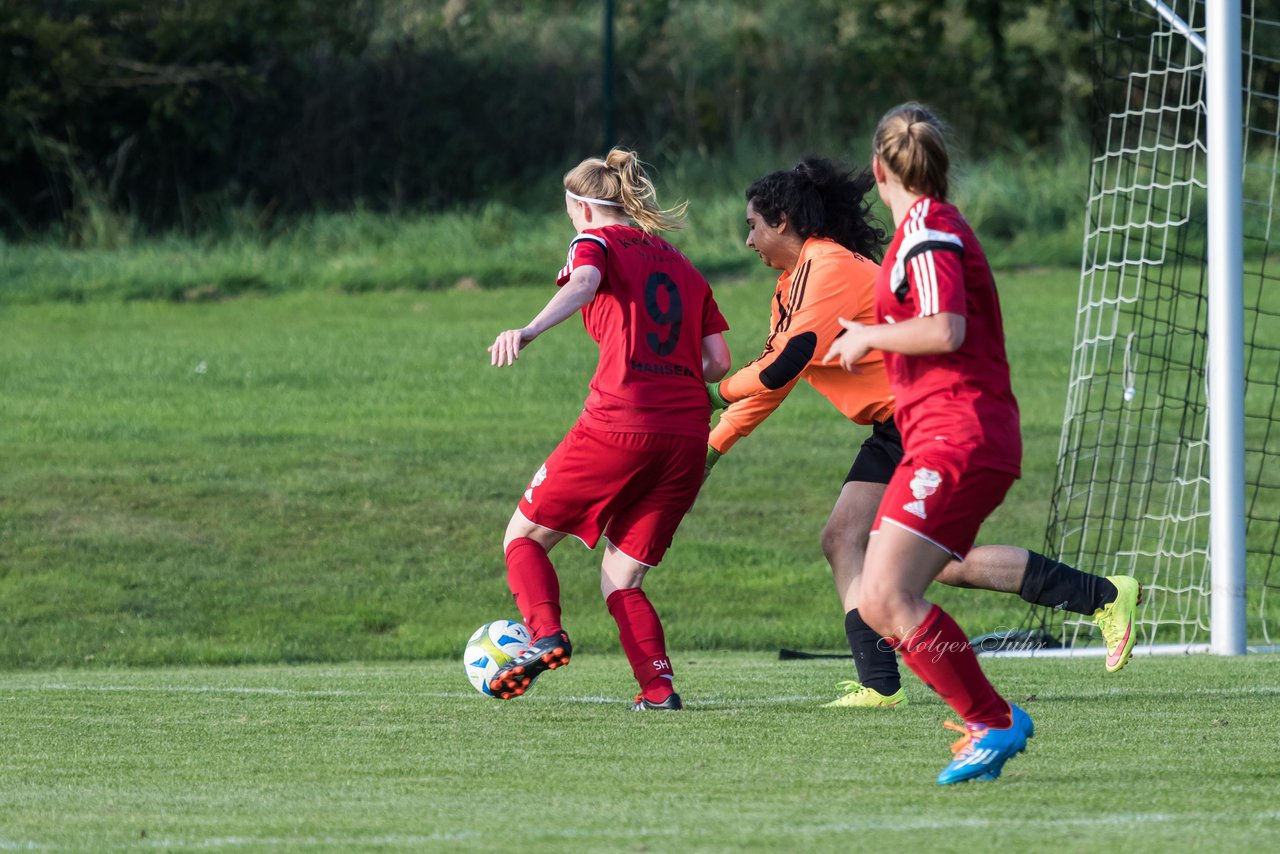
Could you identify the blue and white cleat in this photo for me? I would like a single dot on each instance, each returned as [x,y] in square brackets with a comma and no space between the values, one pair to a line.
[981,753]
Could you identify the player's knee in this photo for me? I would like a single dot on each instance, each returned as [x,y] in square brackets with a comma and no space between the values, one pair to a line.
[886,608]
[878,614]
[518,526]
[831,544]
[841,545]
[622,580]
[875,607]
[620,575]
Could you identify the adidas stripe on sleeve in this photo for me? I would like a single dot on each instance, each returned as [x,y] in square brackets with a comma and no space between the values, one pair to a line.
[929,255]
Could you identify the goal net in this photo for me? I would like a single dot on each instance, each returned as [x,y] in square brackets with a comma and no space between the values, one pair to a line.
[1132,489]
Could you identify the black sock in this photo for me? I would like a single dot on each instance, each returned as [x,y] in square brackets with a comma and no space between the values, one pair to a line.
[1057,585]
[877,663]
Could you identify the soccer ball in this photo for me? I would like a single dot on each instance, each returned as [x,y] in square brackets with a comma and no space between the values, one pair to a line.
[491,646]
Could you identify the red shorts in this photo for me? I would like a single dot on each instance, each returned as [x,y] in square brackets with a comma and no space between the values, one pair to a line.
[635,487]
[943,498]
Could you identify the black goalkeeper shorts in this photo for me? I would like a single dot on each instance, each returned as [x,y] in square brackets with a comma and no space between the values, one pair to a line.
[879,455]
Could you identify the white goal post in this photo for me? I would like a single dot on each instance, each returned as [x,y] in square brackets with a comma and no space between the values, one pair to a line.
[1169,459]
[1226,329]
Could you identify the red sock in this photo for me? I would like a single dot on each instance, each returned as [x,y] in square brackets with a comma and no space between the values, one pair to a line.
[939,653]
[533,580]
[640,631]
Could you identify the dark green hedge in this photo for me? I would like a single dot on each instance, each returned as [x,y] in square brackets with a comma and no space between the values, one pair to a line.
[170,113]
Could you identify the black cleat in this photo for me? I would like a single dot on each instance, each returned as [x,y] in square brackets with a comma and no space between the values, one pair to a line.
[671,704]
[547,653]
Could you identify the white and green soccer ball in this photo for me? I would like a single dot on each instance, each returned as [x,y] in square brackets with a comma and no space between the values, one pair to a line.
[491,646]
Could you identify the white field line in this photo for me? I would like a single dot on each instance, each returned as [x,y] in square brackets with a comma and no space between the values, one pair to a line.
[188,689]
[435,695]
[887,824]
[697,701]
[1098,650]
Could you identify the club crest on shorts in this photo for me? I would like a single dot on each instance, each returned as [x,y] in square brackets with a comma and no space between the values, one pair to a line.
[537,481]
[924,482]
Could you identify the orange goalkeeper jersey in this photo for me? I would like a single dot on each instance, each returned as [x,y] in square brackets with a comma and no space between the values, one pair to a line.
[828,282]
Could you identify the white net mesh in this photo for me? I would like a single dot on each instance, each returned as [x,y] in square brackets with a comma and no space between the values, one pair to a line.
[1132,491]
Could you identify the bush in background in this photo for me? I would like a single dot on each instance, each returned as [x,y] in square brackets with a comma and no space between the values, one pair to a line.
[127,116]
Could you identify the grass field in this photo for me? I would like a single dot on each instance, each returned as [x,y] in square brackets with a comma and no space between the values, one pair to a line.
[1170,754]
[324,477]
[321,477]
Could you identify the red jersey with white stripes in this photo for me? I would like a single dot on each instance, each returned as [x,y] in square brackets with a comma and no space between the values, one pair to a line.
[649,316]
[934,265]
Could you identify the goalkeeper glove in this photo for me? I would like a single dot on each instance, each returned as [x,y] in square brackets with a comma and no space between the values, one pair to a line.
[717,399]
[713,457]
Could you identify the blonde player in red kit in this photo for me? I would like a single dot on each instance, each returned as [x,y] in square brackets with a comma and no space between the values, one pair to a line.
[630,468]
[940,329]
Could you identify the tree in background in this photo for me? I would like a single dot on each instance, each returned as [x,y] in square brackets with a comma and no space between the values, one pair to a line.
[125,115]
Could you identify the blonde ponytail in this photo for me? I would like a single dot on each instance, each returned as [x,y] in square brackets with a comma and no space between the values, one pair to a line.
[911,142]
[620,178]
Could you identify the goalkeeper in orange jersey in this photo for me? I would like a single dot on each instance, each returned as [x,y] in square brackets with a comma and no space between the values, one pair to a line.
[813,224]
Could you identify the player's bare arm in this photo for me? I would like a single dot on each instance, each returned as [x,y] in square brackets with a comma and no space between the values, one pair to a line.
[715,357]
[937,333]
[568,301]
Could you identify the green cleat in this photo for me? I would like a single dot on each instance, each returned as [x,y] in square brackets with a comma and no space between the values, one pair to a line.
[1115,619]
[859,696]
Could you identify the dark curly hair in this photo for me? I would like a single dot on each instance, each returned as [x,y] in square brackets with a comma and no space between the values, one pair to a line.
[820,197]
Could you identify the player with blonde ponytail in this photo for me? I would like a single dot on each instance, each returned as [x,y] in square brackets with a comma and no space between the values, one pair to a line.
[631,466]
[938,324]
[620,180]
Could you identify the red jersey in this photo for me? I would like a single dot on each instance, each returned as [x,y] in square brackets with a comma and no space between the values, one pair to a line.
[649,316]
[964,398]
